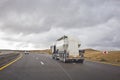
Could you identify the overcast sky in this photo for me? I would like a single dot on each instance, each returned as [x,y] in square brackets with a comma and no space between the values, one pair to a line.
[36,24]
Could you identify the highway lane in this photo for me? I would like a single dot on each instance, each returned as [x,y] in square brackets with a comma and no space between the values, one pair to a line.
[43,67]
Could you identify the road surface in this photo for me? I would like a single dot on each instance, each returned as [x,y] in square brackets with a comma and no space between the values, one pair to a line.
[43,67]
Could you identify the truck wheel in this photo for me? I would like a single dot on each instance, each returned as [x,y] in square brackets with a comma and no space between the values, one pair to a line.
[57,58]
[81,61]
[53,57]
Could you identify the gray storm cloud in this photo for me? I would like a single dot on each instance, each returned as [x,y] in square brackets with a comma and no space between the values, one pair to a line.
[40,22]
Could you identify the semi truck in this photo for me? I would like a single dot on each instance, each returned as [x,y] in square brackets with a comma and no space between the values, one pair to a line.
[67,49]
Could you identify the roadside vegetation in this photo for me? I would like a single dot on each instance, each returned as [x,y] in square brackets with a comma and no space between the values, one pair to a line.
[46,51]
[112,57]
[6,58]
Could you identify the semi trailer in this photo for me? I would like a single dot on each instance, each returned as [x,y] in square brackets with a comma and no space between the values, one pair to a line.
[67,49]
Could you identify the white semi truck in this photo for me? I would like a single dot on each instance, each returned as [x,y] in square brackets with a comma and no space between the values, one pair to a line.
[67,49]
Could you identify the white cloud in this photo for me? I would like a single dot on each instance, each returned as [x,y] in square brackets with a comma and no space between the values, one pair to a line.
[29,24]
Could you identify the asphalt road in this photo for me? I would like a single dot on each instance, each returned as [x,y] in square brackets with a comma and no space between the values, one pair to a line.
[43,67]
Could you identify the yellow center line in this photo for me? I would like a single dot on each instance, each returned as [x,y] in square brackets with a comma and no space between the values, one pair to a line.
[1,68]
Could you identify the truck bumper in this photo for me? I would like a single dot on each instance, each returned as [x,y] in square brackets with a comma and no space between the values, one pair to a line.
[75,60]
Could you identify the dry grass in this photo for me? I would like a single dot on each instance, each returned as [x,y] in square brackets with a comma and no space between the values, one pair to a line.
[41,51]
[112,57]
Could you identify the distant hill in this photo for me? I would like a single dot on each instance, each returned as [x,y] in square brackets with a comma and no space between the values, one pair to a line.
[40,51]
[89,49]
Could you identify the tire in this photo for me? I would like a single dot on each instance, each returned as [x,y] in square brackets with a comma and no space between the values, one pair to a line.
[53,57]
[57,58]
[81,61]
